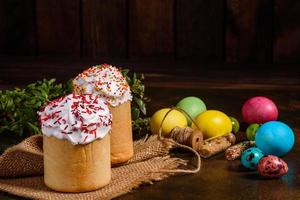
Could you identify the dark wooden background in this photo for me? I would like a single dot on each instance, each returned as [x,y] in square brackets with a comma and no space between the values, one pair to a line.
[214,31]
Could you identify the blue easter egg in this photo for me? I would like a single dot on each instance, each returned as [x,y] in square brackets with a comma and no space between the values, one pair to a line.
[275,138]
[251,157]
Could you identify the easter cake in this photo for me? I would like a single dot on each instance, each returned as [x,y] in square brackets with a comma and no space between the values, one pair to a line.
[108,82]
[76,143]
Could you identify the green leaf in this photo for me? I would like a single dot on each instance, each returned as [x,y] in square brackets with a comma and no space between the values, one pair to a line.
[125,73]
[51,81]
[135,112]
[134,79]
[69,86]
[141,104]
[35,129]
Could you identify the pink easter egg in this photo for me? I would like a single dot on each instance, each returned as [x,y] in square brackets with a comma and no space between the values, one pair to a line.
[259,110]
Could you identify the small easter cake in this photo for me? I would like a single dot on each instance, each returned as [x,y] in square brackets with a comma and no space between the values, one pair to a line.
[108,82]
[76,143]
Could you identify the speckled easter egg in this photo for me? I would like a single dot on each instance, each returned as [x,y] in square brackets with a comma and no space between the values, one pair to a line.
[251,157]
[272,167]
[213,123]
[259,110]
[193,106]
[173,119]
[275,138]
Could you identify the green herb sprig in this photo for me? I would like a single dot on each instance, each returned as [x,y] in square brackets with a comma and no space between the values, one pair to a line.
[18,107]
[140,123]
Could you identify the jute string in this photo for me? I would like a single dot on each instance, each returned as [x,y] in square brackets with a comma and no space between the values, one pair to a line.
[177,144]
[181,135]
[188,136]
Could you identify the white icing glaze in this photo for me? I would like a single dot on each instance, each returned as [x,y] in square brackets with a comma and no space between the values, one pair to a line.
[104,80]
[80,119]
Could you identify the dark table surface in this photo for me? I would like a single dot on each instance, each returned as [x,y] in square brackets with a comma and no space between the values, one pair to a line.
[222,90]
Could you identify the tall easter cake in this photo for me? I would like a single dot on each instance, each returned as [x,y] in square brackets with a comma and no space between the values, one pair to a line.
[76,143]
[108,82]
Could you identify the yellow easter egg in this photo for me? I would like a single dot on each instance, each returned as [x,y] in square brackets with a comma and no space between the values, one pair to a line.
[173,119]
[213,123]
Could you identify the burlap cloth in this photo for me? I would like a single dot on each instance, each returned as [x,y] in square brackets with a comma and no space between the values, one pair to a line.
[21,169]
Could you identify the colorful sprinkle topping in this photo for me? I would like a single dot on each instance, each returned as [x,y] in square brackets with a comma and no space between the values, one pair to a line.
[79,118]
[104,80]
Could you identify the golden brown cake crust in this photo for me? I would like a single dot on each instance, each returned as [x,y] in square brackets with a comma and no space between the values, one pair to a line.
[121,134]
[76,168]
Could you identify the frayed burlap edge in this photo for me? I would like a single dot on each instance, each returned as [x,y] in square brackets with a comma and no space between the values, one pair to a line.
[151,162]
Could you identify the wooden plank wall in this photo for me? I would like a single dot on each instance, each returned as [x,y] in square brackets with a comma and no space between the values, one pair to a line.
[58,27]
[104,28]
[151,28]
[199,30]
[249,29]
[286,31]
[232,31]
[17,27]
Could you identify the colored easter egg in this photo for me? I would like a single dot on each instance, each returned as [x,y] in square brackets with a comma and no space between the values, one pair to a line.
[193,106]
[213,123]
[235,125]
[272,167]
[251,131]
[275,138]
[173,119]
[259,110]
[251,157]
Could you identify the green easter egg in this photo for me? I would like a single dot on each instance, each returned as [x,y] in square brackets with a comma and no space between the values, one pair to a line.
[235,125]
[193,106]
[251,131]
